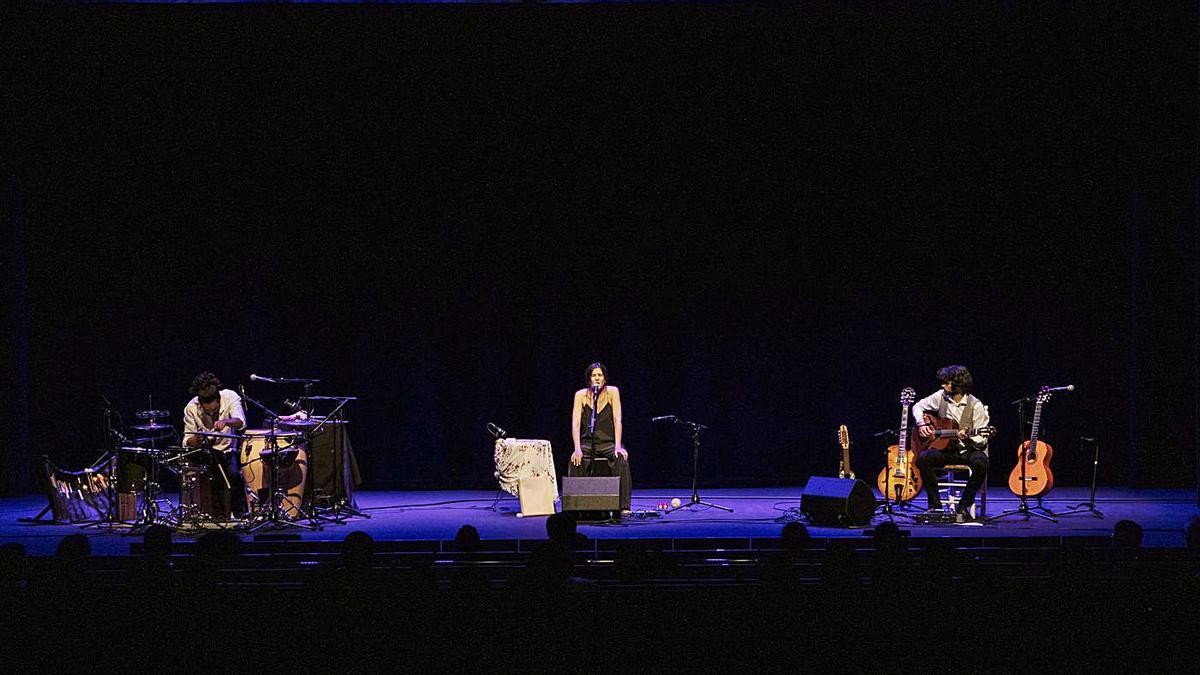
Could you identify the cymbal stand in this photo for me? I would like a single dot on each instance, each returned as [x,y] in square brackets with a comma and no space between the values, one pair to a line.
[695,500]
[1090,504]
[1023,507]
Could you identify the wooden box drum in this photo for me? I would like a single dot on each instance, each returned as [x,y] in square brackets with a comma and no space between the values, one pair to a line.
[256,459]
[196,493]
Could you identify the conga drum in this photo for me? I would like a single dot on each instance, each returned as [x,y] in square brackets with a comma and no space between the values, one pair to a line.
[284,456]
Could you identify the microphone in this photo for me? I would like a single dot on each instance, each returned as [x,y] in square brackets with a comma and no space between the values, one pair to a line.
[1069,387]
[885,432]
[259,378]
[496,431]
[663,418]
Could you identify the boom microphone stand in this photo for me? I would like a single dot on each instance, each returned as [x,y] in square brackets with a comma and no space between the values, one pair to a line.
[1090,504]
[696,429]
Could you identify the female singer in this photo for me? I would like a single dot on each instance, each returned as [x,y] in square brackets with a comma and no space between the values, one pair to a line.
[596,430]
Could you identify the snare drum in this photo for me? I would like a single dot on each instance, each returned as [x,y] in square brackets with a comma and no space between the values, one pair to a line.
[258,459]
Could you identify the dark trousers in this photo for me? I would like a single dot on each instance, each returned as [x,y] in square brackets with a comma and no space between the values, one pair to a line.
[929,460]
[604,462]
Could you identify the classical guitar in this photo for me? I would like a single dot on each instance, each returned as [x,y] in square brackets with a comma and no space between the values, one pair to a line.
[1031,477]
[844,440]
[899,480]
[944,430]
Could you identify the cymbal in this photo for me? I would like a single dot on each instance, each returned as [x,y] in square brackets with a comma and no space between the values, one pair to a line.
[153,426]
[151,414]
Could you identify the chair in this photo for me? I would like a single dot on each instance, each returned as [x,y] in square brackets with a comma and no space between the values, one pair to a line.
[951,483]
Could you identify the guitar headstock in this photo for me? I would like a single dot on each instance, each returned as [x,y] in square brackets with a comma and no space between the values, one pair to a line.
[1043,394]
[908,396]
[844,437]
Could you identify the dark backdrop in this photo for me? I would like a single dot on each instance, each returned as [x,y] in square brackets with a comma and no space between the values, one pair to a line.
[766,218]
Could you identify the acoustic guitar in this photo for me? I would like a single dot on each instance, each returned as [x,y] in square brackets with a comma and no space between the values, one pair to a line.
[1034,457]
[899,480]
[944,430]
[844,440]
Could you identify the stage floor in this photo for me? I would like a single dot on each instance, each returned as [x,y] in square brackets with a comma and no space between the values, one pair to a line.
[758,513]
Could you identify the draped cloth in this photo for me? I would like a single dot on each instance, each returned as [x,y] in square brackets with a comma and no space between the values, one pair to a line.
[518,458]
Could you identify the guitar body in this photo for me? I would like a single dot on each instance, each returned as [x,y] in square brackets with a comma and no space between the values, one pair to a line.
[1038,478]
[919,444]
[899,476]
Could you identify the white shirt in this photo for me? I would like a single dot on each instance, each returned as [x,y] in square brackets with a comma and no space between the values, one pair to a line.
[194,418]
[931,403]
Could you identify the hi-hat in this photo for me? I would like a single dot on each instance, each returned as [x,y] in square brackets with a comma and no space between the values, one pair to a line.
[153,426]
[151,414]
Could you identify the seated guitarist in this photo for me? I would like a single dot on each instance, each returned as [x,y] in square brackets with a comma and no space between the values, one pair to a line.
[955,402]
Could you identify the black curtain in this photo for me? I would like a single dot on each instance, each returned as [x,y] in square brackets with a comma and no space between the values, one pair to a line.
[768,219]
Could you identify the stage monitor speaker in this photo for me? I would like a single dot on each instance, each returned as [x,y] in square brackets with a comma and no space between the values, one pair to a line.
[598,493]
[837,501]
[537,496]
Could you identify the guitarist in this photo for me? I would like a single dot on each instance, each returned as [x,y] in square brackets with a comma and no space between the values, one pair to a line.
[954,401]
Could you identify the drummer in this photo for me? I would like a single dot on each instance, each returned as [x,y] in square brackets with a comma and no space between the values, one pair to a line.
[215,410]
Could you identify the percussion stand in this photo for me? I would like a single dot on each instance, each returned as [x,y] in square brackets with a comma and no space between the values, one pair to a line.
[109,519]
[185,514]
[341,510]
[148,512]
[275,518]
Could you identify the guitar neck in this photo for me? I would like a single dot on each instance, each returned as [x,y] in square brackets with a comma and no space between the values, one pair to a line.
[1033,432]
[903,440]
[950,433]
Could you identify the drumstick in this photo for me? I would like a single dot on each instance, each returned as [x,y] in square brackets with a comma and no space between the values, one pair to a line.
[224,477]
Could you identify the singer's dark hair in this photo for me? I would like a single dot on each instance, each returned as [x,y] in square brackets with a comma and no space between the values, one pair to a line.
[587,375]
[958,376]
[206,387]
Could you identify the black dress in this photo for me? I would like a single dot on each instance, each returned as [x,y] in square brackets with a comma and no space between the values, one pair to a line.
[600,451]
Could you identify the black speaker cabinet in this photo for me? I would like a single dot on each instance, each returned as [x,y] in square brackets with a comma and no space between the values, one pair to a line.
[837,501]
[600,493]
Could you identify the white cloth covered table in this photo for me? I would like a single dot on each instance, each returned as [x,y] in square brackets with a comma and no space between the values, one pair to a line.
[518,458]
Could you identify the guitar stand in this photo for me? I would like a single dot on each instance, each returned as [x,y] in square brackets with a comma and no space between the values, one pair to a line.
[891,508]
[1023,507]
[1090,504]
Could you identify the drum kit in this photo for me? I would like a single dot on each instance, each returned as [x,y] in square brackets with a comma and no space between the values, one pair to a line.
[273,463]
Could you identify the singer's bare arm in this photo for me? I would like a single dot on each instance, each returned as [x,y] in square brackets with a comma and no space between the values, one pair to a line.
[615,401]
[576,410]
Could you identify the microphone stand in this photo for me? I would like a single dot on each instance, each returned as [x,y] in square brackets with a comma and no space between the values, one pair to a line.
[1090,504]
[696,429]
